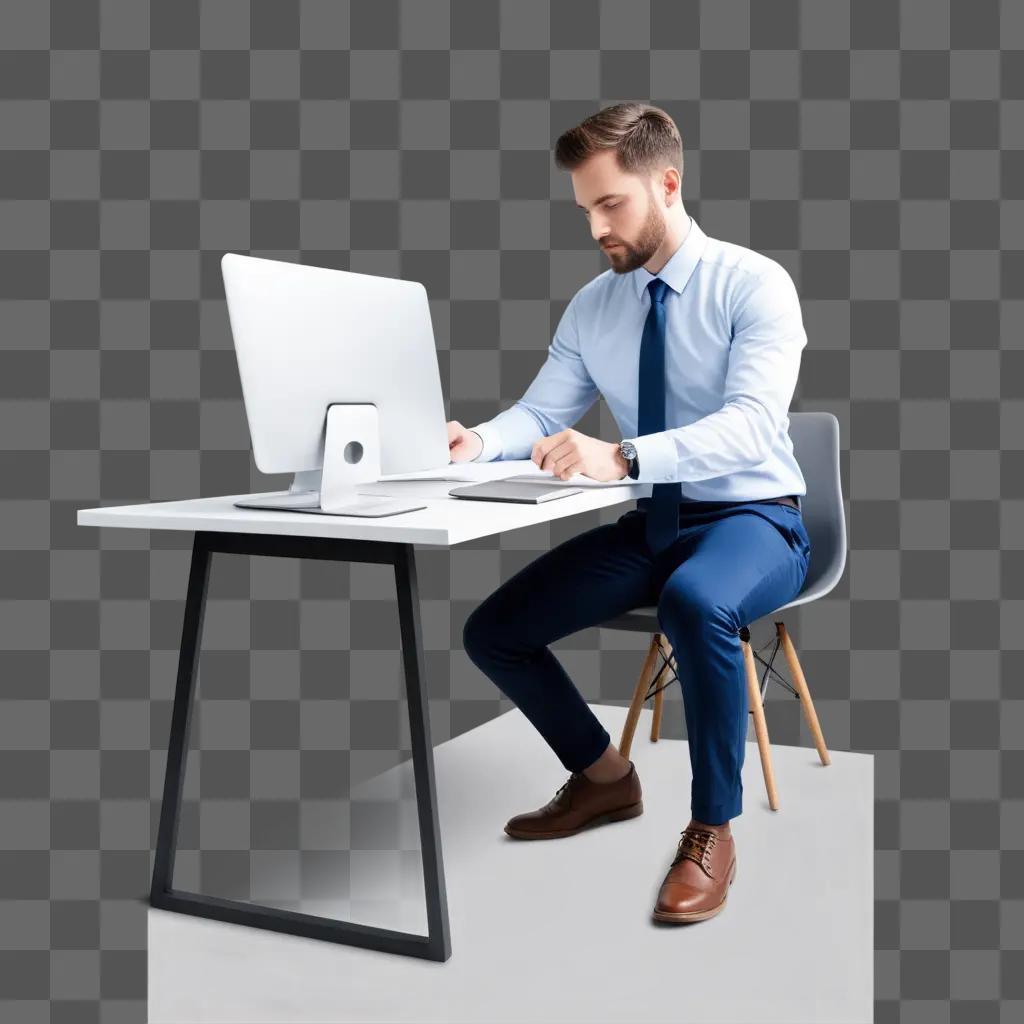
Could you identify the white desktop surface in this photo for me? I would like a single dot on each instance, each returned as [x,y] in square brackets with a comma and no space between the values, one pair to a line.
[445,521]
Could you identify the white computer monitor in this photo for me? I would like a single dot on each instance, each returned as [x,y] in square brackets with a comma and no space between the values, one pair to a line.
[340,381]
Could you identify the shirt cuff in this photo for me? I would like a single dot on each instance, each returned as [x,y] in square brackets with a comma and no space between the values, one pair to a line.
[656,458]
[492,442]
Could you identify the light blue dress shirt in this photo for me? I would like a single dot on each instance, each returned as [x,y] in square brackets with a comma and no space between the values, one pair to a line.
[733,338]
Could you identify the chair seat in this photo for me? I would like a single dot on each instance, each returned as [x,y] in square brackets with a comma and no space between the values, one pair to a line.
[645,618]
[639,620]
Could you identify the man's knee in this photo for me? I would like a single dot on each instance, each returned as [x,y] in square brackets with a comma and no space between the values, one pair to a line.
[479,631]
[690,605]
[471,633]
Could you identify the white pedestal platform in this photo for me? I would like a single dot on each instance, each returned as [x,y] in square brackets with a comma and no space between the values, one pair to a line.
[560,930]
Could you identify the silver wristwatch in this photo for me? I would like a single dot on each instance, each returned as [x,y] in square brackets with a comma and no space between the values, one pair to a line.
[628,451]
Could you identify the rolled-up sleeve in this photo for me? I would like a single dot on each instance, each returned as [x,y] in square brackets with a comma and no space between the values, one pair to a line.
[559,396]
[768,338]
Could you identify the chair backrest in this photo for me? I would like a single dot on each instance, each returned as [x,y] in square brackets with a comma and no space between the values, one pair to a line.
[815,437]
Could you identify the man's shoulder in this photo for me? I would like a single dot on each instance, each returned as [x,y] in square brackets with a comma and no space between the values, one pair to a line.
[600,289]
[731,258]
[600,284]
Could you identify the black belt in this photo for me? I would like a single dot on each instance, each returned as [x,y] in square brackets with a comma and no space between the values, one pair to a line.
[788,500]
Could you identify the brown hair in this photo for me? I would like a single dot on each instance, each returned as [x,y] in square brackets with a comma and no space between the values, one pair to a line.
[643,136]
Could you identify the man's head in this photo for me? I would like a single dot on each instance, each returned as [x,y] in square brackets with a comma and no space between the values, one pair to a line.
[626,163]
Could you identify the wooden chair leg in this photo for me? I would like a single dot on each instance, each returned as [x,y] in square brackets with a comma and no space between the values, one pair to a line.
[659,697]
[639,694]
[797,675]
[760,726]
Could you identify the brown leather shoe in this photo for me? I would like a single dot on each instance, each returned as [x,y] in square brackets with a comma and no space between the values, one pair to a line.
[698,881]
[580,804]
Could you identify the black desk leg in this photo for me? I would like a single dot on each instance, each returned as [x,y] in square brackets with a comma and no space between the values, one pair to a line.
[436,945]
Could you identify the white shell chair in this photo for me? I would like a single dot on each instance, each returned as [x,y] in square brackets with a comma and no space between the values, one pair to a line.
[815,437]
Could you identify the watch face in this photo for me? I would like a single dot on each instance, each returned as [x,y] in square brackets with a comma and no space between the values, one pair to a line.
[628,450]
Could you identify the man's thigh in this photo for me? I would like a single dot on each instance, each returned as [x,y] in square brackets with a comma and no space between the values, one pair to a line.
[741,567]
[581,582]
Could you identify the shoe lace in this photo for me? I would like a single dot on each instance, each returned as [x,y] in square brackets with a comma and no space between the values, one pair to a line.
[696,844]
[565,785]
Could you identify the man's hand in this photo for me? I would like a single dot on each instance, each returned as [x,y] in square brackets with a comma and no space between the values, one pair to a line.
[569,452]
[464,444]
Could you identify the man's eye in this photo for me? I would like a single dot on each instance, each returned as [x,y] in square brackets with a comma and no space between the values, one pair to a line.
[612,206]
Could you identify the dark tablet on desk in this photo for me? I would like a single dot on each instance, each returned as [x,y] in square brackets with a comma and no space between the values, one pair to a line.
[512,490]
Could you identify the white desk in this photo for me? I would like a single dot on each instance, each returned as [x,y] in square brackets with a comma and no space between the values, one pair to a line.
[220,527]
[446,521]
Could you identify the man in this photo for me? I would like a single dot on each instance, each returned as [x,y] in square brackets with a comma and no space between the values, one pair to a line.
[695,343]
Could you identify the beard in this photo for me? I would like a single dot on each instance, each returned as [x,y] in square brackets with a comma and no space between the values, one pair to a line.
[635,254]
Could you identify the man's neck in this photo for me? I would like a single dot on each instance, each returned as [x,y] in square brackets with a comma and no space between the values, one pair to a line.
[677,231]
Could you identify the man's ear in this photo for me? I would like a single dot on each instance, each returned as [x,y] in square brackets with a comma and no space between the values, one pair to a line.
[671,183]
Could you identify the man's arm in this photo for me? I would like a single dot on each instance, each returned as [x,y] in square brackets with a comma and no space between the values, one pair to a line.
[764,363]
[560,394]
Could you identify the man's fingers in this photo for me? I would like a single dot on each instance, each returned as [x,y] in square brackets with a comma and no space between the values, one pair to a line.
[565,467]
[548,457]
[546,445]
[564,450]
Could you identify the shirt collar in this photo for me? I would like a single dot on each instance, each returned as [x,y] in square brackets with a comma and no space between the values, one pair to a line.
[680,266]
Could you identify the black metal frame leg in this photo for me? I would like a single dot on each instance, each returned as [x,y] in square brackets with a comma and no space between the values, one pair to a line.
[436,945]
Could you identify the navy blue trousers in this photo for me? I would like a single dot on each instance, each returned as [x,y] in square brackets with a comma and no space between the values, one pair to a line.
[732,564]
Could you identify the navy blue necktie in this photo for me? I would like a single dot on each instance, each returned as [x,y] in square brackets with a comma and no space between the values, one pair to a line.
[663,505]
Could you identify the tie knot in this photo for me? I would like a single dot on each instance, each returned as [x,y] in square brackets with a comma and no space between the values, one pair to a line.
[657,288]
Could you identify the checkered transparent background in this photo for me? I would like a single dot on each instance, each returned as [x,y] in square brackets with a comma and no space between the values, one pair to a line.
[875,148]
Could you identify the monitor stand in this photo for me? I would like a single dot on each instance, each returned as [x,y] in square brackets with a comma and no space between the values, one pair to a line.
[351,457]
